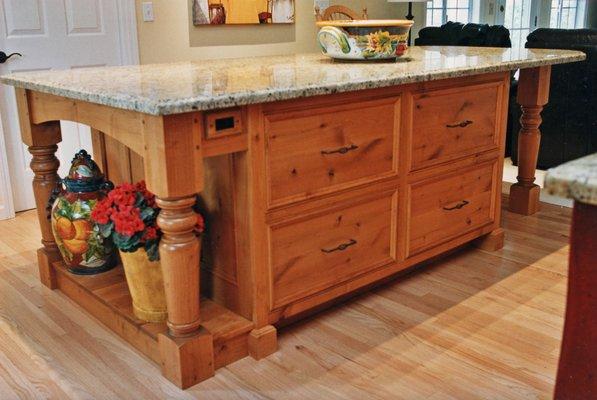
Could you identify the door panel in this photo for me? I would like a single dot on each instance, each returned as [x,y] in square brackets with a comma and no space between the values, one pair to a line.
[52,34]
[24,18]
[83,17]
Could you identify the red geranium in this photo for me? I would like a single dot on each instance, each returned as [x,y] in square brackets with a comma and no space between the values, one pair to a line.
[127,220]
[102,211]
[123,195]
[128,216]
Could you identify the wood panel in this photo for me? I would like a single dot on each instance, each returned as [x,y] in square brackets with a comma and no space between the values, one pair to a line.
[107,297]
[331,247]
[221,278]
[125,126]
[323,149]
[454,123]
[451,205]
[118,163]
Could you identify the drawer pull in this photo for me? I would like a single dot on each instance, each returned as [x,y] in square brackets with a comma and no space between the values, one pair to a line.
[342,247]
[341,150]
[462,124]
[457,206]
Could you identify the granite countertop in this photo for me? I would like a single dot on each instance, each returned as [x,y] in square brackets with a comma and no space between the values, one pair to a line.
[162,89]
[576,179]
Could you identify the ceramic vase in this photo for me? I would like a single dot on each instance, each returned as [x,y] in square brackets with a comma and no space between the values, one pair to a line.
[84,251]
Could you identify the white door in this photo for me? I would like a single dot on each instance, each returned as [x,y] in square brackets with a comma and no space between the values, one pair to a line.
[57,34]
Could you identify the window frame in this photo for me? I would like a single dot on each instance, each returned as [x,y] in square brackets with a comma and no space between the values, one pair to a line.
[578,22]
[445,8]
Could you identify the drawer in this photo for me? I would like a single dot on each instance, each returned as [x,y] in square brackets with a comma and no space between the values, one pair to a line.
[451,206]
[316,151]
[454,123]
[324,250]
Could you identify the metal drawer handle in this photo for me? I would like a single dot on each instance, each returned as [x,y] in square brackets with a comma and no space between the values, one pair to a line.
[341,150]
[342,247]
[462,124]
[457,206]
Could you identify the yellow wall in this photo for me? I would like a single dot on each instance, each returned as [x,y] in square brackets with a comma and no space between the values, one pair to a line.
[172,36]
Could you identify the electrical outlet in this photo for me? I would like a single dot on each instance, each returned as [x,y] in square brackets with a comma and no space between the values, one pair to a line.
[322,4]
[148,11]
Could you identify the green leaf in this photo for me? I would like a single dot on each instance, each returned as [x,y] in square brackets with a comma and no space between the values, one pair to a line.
[152,249]
[139,200]
[125,243]
[147,214]
[106,230]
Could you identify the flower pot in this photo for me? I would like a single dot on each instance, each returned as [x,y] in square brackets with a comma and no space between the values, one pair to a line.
[146,285]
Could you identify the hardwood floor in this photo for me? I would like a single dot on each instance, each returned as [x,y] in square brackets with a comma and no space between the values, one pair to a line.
[473,325]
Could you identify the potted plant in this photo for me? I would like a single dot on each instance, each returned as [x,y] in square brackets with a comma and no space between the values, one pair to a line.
[128,217]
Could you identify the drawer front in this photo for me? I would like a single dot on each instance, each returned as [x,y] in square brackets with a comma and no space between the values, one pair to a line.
[313,254]
[454,123]
[444,209]
[316,151]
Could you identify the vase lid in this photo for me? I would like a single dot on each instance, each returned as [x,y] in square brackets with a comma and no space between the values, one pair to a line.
[84,174]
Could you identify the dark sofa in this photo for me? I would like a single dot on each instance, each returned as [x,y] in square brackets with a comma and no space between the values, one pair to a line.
[457,34]
[569,128]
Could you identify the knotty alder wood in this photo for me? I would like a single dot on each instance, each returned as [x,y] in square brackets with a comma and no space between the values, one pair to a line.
[346,220]
[315,150]
[107,297]
[450,123]
[450,205]
[42,140]
[320,251]
[474,325]
[533,94]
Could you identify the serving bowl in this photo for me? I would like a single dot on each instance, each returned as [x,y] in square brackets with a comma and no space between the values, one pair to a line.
[381,39]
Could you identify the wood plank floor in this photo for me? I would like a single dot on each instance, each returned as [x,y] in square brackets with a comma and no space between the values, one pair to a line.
[475,325]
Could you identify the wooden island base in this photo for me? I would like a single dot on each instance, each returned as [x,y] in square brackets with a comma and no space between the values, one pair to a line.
[306,201]
[106,297]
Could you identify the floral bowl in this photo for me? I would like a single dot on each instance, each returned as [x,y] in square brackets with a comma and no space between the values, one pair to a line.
[364,39]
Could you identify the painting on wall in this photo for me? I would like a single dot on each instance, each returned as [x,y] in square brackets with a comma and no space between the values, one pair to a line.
[233,12]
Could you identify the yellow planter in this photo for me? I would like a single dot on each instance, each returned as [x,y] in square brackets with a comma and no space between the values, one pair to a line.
[146,285]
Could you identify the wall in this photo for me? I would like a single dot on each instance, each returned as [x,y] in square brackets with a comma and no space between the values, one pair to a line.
[172,36]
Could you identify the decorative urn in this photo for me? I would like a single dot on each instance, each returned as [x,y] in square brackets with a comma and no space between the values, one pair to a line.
[83,248]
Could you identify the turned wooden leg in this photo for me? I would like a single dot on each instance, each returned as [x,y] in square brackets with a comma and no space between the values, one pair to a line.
[186,351]
[173,164]
[42,140]
[533,94]
[179,253]
[44,165]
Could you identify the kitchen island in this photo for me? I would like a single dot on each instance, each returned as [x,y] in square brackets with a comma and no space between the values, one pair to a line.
[317,179]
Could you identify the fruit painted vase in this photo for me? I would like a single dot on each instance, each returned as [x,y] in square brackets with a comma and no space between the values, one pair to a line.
[83,249]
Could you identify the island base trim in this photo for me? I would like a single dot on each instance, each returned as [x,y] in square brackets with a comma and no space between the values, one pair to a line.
[263,342]
[222,339]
